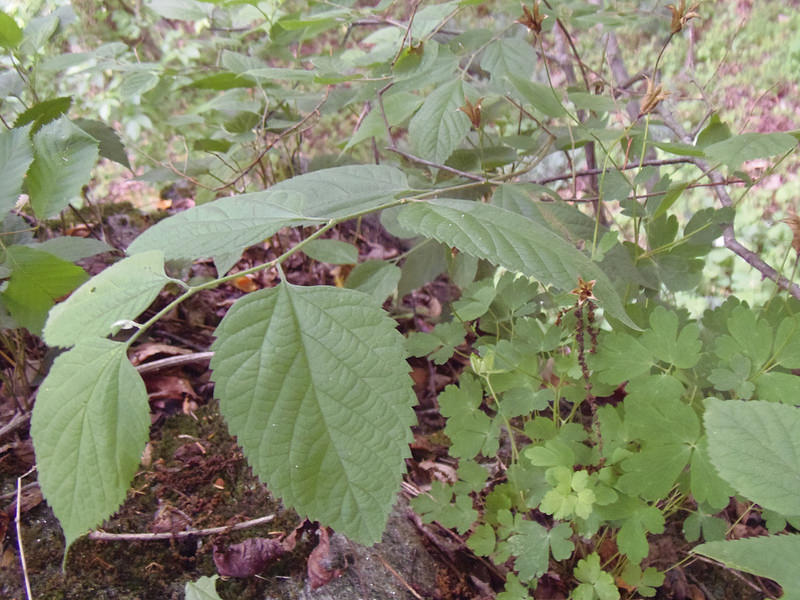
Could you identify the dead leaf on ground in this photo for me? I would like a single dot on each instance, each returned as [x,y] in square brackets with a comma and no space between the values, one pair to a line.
[31,498]
[145,351]
[168,387]
[247,558]
[320,562]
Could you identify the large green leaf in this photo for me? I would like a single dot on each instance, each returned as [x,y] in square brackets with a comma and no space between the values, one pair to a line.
[10,33]
[438,127]
[37,279]
[222,229]
[774,556]
[110,146]
[63,159]
[16,155]
[314,384]
[122,291]
[511,241]
[755,446]
[90,424]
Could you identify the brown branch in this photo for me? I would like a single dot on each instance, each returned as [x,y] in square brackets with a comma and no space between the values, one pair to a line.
[589,172]
[173,361]
[151,537]
[729,234]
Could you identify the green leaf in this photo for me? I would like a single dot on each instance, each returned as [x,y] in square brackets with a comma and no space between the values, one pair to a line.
[334,252]
[442,341]
[749,336]
[663,340]
[89,427]
[734,379]
[110,146]
[594,581]
[398,108]
[438,505]
[16,155]
[513,589]
[482,540]
[37,279]
[775,557]
[469,428]
[10,33]
[632,536]
[223,228]
[44,112]
[204,588]
[513,242]
[530,546]
[778,387]
[748,146]
[755,447]
[645,582]
[313,383]
[64,156]
[706,484]
[621,357]
[377,278]
[509,57]
[122,291]
[182,10]
[438,127]
[715,131]
[540,96]
[72,248]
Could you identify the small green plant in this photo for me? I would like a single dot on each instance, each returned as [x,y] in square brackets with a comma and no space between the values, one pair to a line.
[604,406]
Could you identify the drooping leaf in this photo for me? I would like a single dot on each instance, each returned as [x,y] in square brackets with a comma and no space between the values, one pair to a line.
[374,277]
[44,112]
[110,146]
[64,156]
[89,427]
[223,228]
[16,155]
[37,279]
[513,242]
[775,557]
[122,291]
[438,127]
[313,383]
[748,146]
[335,252]
[72,248]
[755,447]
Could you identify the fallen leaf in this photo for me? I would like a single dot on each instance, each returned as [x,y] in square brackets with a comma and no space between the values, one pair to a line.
[247,558]
[245,284]
[145,351]
[320,562]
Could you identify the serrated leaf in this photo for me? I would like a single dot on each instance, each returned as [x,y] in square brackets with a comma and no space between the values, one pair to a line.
[706,484]
[335,252]
[314,384]
[509,56]
[775,557]
[223,228]
[540,96]
[530,545]
[442,341]
[37,280]
[482,540]
[438,127]
[89,427]
[16,155]
[64,156]
[778,387]
[748,146]
[632,536]
[755,447]
[621,357]
[470,429]
[511,241]
[44,112]
[204,588]
[377,278]
[122,291]
[439,506]
[398,108]
[594,580]
[110,146]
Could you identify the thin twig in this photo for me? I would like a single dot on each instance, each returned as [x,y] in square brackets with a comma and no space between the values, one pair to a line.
[173,361]
[399,577]
[19,419]
[598,171]
[19,534]
[434,165]
[151,537]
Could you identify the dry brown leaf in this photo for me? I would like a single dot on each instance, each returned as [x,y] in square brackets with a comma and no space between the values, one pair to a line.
[793,221]
[245,284]
[145,351]
[320,562]
[247,558]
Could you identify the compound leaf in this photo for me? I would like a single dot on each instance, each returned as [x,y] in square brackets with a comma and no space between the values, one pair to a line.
[774,556]
[314,384]
[755,447]
[64,156]
[122,291]
[511,241]
[90,424]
